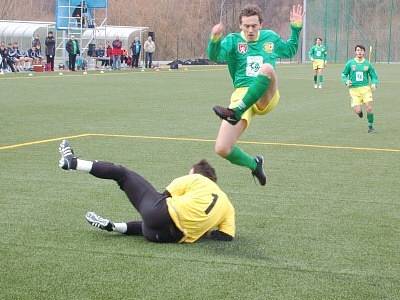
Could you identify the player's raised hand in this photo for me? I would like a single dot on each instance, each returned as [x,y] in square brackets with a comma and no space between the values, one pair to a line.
[297,15]
[217,31]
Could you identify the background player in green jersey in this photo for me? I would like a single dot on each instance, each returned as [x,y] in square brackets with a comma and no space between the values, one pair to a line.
[251,56]
[317,55]
[357,75]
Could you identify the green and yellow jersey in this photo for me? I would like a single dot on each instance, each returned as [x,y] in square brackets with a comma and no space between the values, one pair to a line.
[244,58]
[197,205]
[360,73]
[317,52]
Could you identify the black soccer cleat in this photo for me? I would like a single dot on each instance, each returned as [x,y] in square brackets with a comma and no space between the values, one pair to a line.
[259,172]
[226,114]
[360,114]
[371,130]
[99,222]
[67,154]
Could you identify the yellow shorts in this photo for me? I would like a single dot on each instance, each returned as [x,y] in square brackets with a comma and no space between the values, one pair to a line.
[360,95]
[238,95]
[318,64]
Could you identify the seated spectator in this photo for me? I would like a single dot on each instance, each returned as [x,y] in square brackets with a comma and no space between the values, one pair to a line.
[6,60]
[81,63]
[35,56]
[25,60]
[15,56]
[36,43]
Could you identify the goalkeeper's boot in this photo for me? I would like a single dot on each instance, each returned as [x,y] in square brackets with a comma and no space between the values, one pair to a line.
[67,155]
[99,222]
[259,172]
[226,114]
[360,114]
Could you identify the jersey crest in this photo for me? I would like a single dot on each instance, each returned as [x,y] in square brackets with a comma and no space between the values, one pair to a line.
[242,48]
[269,47]
[365,68]
[353,67]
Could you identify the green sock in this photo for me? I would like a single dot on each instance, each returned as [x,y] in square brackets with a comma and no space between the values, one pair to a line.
[315,79]
[255,91]
[238,157]
[370,118]
[321,79]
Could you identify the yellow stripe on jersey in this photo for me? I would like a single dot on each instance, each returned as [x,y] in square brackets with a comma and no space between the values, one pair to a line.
[197,205]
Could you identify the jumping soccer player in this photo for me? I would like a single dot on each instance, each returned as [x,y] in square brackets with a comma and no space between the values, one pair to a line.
[191,206]
[251,55]
[357,75]
[318,55]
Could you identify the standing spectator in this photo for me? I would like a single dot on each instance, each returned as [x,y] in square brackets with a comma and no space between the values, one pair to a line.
[50,50]
[109,54]
[149,48]
[72,48]
[36,43]
[117,52]
[136,47]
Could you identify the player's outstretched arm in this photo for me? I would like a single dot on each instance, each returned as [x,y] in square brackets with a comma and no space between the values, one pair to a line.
[287,49]
[297,15]
[215,50]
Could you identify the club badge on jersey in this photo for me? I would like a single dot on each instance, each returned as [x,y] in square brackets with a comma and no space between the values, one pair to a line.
[242,48]
[269,47]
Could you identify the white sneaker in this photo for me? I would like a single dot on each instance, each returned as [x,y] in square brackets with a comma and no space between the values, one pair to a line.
[67,154]
[320,86]
[315,86]
[99,222]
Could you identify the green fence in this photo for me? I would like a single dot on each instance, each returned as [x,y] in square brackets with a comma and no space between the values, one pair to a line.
[344,23]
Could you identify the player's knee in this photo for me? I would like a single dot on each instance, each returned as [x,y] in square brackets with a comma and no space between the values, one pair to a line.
[267,70]
[222,150]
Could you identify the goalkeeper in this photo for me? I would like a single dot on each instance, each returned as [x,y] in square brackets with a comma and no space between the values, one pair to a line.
[191,207]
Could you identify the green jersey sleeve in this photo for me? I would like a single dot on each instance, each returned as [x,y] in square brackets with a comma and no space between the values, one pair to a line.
[220,50]
[311,53]
[288,49]
[372,74]
[346,72]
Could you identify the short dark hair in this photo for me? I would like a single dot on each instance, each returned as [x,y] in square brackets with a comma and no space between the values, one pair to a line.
[318,38]
[251,10]
[50,32]
[359,46]
[205,169]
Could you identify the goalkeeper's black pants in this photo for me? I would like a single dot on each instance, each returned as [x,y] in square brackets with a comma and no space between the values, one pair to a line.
[156,224]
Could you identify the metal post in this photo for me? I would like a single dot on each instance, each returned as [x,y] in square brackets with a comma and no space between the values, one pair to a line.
[303,46]
[337,29]
[390,31]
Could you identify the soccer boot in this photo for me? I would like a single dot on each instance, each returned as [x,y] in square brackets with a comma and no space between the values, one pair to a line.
[67,154]
[315,86]
[360,114]
[259,172]
[371,130]
[320,86]
[99,222]
[226,114]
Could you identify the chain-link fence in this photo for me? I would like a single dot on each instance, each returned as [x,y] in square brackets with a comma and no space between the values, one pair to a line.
[342,24]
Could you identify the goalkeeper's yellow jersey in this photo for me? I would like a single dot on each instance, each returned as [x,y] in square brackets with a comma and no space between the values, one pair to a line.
[197,205]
